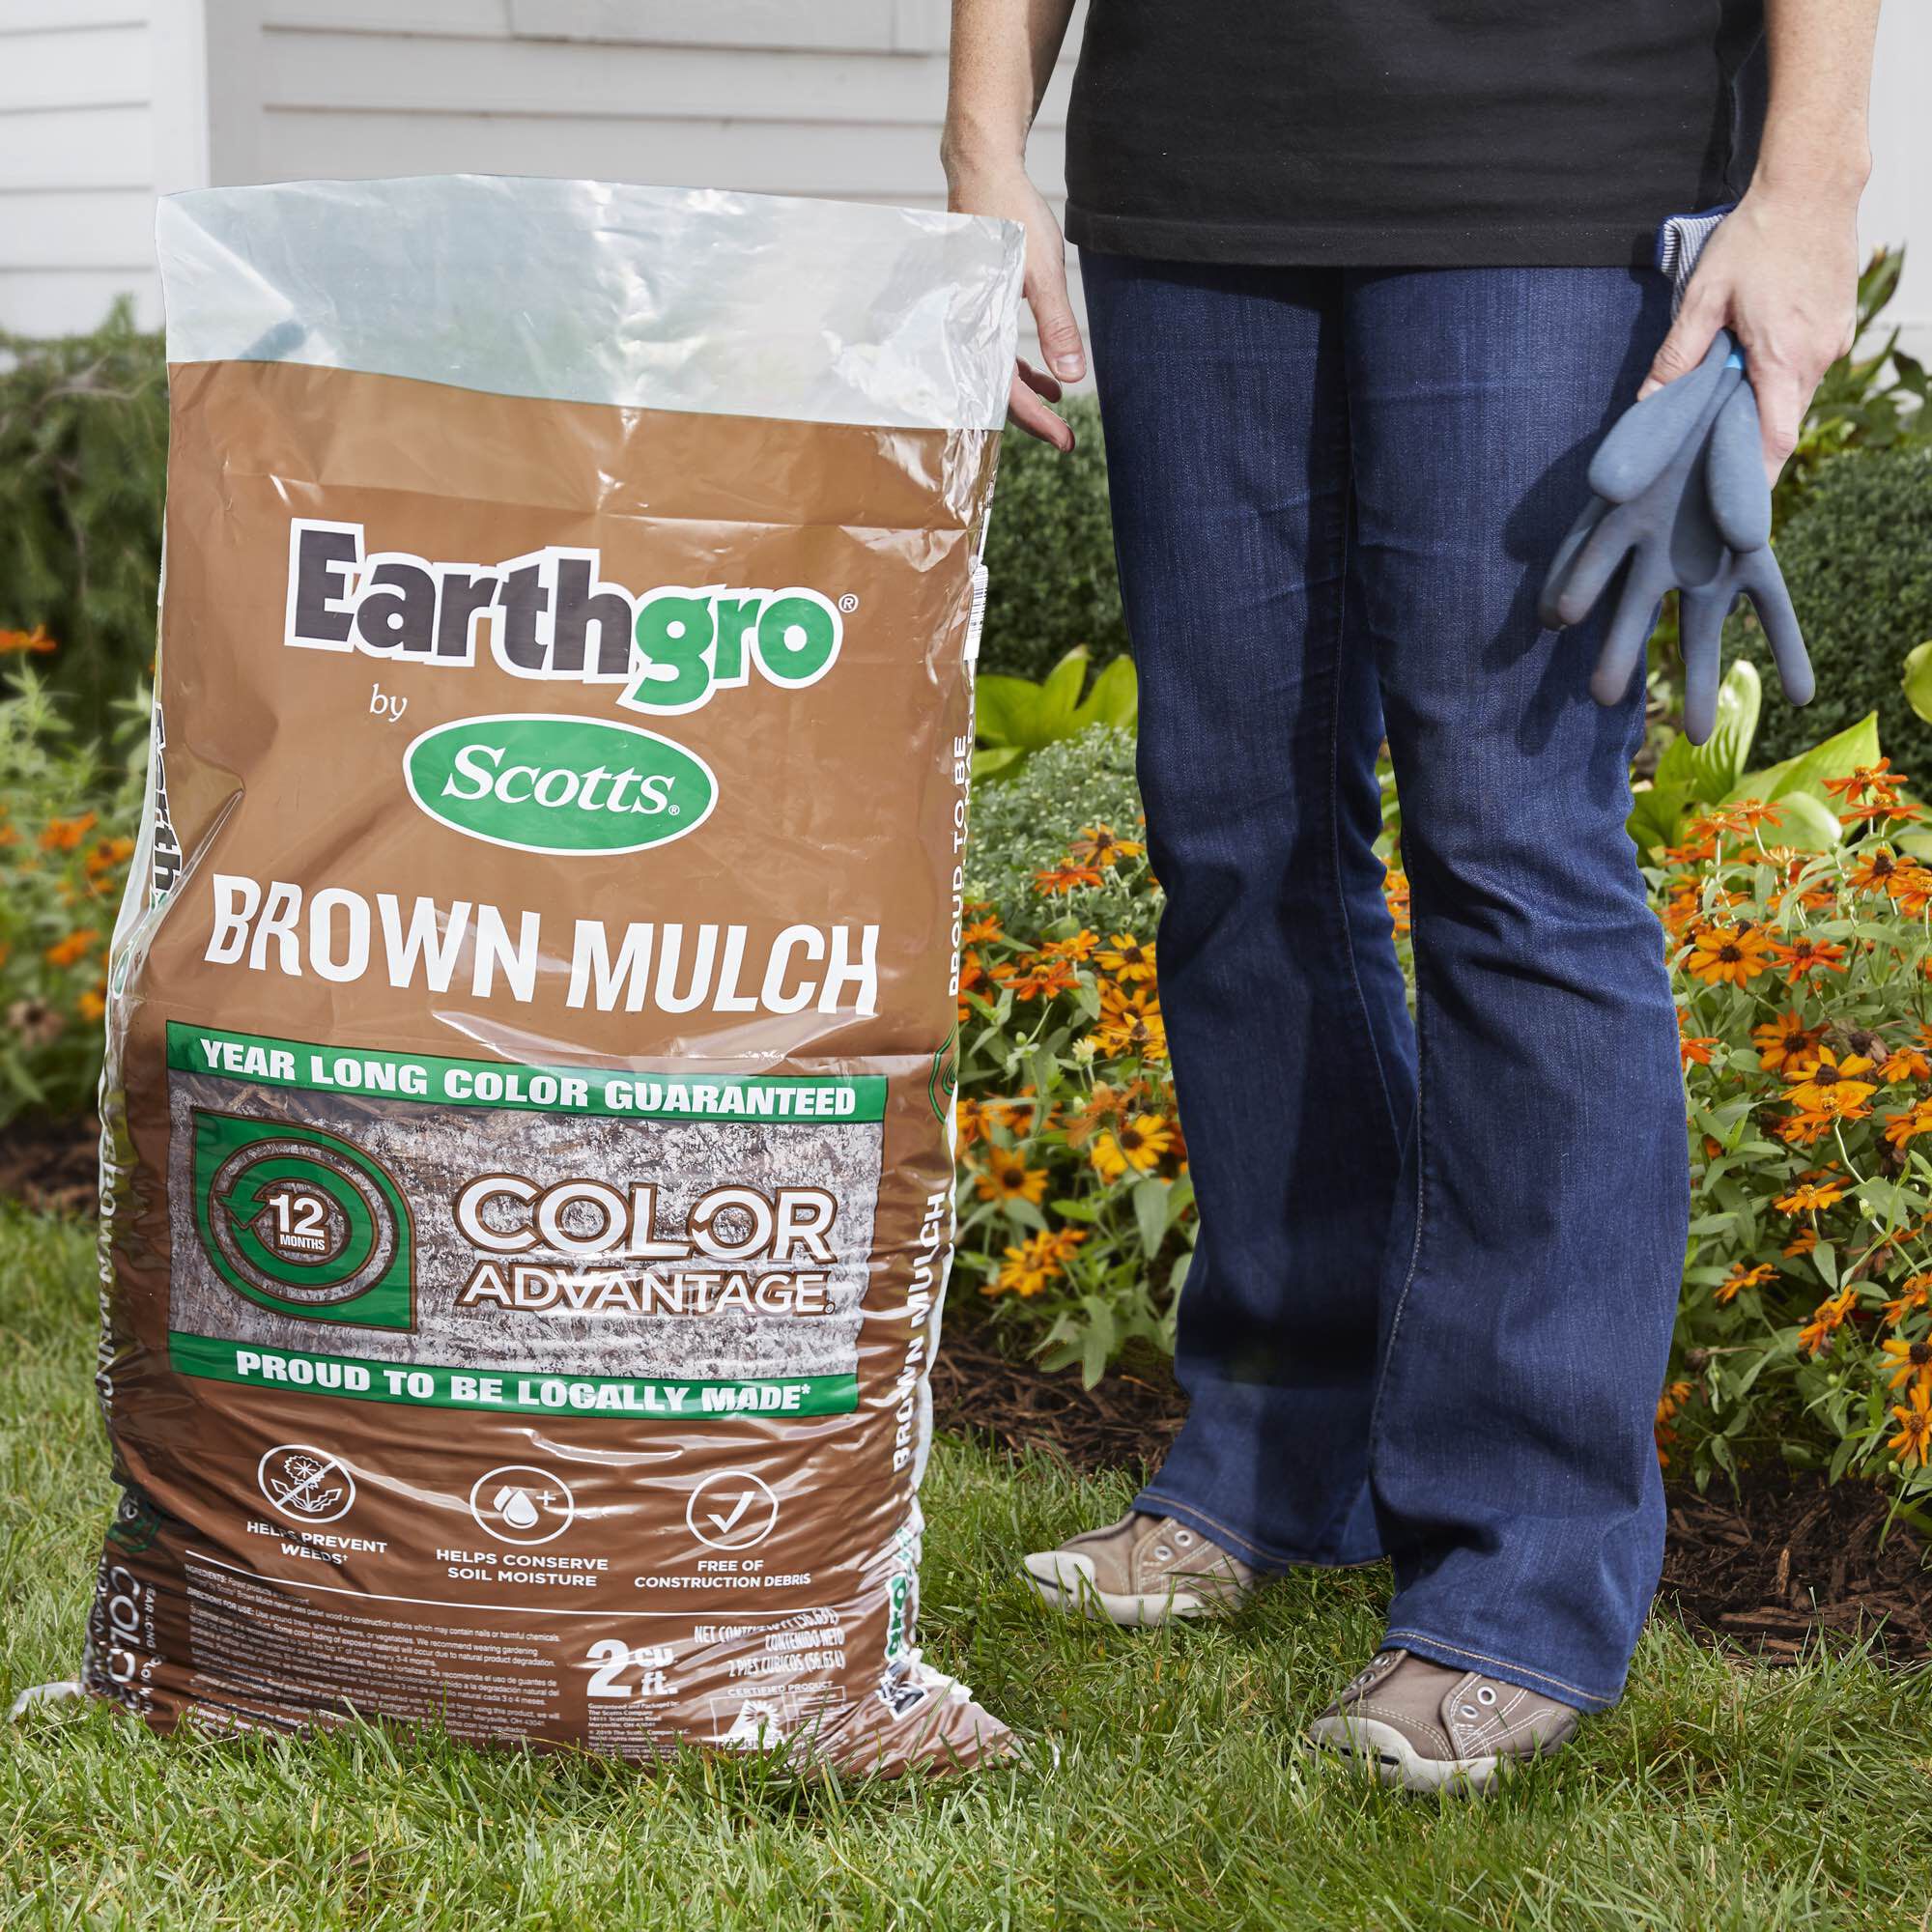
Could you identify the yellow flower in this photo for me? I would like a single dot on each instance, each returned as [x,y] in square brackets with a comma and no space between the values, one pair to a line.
[1910,1361]
[1008,1178]
[1914,1440]
[1126,958]
[1728,955]
[1109,1162]
[1832,1087]
[1098,845]
[1078,948]
[1787,1042]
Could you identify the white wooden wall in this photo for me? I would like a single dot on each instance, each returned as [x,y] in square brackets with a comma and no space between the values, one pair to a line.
[104,103]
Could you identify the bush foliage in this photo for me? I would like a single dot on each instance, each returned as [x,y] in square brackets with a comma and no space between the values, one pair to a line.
[67,821]
[1858,558]
[1050,580]
[83,462]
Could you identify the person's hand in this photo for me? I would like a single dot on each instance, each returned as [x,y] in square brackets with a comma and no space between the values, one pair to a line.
[1007,192]
[1782,274]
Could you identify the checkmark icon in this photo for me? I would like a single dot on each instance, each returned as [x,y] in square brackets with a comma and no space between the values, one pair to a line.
[725,1524]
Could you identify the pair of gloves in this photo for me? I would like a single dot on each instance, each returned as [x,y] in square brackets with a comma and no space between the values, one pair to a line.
[1681,492]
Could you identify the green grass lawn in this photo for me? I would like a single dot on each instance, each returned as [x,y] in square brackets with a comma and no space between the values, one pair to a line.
[1717,1796]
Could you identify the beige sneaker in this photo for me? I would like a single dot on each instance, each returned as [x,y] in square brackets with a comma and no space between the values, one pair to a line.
[1428,1728]
[1142,1570]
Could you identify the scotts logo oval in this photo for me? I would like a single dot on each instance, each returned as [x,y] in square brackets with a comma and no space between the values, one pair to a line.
[549,782]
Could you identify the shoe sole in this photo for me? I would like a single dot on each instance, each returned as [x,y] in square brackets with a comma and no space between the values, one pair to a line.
[1129,1612]
[1390,1757]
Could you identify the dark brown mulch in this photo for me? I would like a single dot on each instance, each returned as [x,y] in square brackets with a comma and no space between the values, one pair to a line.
[1792,1555]
[1130,1418]
[51,1164]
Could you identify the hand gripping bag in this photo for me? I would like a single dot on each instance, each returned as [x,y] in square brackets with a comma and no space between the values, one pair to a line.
[526,1122]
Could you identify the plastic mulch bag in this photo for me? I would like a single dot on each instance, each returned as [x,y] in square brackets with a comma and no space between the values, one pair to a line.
[528,1176]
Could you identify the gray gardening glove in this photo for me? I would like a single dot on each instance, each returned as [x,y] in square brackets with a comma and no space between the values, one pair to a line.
[1681,496]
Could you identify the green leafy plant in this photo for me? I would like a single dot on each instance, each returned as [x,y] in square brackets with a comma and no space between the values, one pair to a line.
[1076,1212]
[1871,398]
[1692,779]
[1859,561]
[1807,1013]
[83,457]
[1050,577]
[1016,717]
[66,822]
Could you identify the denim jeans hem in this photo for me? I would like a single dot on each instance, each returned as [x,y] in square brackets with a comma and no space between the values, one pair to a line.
[1455,1656]
[1157,1502]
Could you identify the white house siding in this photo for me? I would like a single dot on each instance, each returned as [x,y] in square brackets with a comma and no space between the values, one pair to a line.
[103,102]
[76,161]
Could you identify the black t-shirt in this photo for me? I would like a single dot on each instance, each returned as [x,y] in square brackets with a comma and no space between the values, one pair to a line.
[1407,132]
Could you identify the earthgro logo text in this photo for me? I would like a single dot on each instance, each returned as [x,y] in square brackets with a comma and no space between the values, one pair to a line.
[550,615]
[550,781]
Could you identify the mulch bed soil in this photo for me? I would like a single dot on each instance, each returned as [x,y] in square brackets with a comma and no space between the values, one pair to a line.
[1765,1569]
[1789,1557]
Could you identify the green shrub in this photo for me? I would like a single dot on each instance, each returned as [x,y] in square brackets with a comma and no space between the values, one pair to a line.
[1050,582]
[1024,824]
[68,815]
[1858,560]
[83,461]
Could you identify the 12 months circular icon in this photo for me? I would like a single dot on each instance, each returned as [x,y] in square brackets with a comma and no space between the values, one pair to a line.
[297,1218]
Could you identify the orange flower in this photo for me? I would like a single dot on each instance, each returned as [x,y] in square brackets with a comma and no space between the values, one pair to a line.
[1914,1440]
[1043,979]
[982,931]
[1906,1063]
[1827,1318]
[1810,1198]
[63,834]
[34,644]
[1917,1120]
[1057,879]
[1874,873]
[1739,1278]
[1079,948]
[92,1005]
[1802,1243]
[1733,955]
[1130,1024]
[1877,780]
[1912,1296]
[1803,956]
[71,949]
[1395,889]
[1786,1041]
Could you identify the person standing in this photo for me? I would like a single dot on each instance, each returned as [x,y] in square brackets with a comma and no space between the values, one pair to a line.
[1366,281]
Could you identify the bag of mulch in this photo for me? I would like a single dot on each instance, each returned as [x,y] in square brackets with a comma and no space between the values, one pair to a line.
[528,1179]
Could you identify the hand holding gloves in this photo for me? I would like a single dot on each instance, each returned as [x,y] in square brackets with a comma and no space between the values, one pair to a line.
[1680,491]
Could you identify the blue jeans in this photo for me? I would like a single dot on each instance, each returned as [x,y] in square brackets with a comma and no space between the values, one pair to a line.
[1431,1309]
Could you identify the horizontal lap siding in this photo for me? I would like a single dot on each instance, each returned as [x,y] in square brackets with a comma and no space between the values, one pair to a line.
[377,87]
[76,162]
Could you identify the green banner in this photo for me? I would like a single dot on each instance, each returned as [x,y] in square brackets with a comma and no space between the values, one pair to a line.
[437,1081]
[508,1391]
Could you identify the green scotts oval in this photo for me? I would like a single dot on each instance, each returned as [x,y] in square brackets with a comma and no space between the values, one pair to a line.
[548,783]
